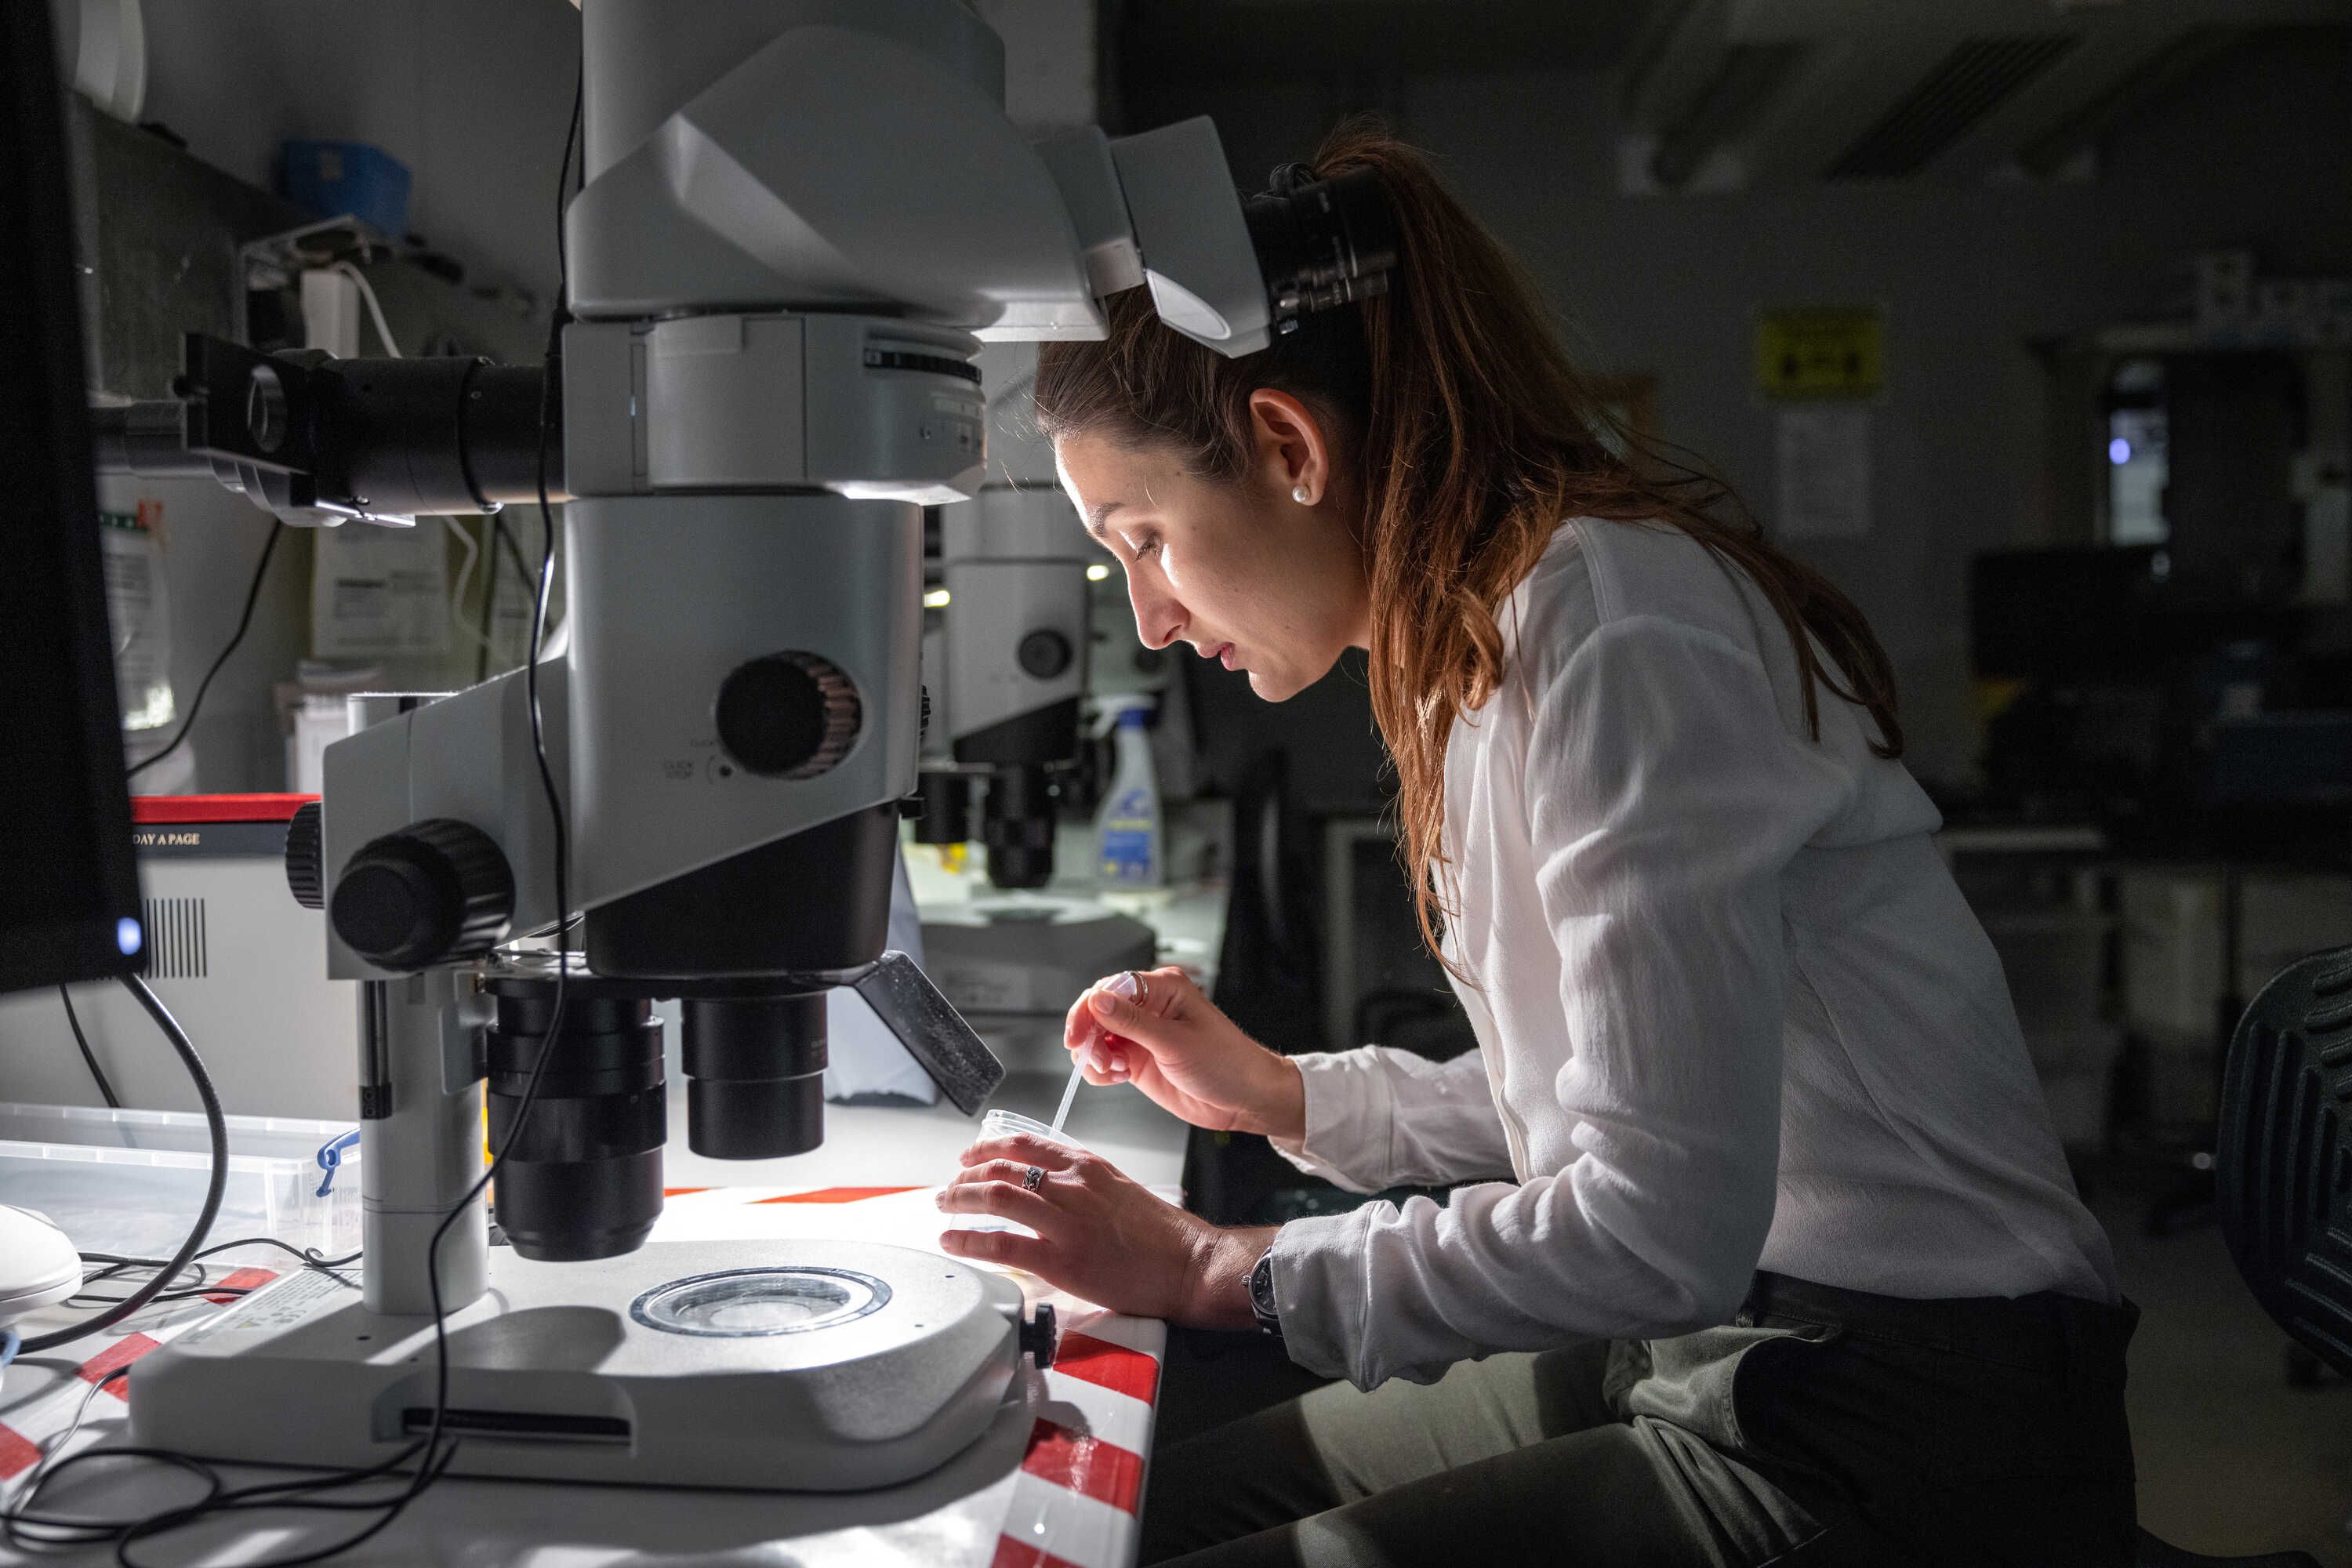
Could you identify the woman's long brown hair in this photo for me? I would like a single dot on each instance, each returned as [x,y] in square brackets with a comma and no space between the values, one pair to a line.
[1474,438]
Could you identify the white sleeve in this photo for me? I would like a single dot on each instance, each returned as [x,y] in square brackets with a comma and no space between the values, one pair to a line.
[1378,1117]
[1666,795]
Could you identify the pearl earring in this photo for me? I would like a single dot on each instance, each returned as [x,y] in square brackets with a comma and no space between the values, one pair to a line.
[1298,494]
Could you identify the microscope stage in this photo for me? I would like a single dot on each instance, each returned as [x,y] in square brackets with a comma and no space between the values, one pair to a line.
[803,1366]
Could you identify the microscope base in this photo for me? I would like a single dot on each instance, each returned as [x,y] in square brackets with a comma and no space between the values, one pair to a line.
[799,1366]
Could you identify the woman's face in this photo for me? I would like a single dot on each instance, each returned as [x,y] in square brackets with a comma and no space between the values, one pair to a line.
[1245,571]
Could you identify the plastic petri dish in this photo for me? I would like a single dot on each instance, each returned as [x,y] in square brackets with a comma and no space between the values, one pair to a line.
[1003,1125]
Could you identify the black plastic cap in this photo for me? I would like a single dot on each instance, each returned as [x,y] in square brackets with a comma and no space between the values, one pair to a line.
[1039,1337]
[306,876]
[574,1210]
[438,890]
[754,1119]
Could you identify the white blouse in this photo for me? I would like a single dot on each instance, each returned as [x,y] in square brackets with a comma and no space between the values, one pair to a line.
[1732,1012]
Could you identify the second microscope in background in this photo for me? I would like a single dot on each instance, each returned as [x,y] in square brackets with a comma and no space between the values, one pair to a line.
[1005,640]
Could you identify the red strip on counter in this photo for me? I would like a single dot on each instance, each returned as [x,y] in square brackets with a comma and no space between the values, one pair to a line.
[19,1453]
[1079,1462]
[835,1195]
[121,1353]
[1011,1553]
[1111,1366]
[244,1280]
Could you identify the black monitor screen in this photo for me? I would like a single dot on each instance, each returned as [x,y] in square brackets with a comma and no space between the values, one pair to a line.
[68,887]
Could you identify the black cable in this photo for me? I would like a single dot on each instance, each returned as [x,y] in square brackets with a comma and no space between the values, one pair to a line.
[190,1294]
[244,619]
[217,1126]
[513,551]
[503,543]
[490,601]
[309,1254]
[88,1056]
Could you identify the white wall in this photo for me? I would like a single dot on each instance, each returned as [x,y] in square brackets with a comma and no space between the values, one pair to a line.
[472,95]
[2257,152]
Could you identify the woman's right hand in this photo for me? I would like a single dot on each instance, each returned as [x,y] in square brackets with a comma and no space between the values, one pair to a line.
[1189,1058]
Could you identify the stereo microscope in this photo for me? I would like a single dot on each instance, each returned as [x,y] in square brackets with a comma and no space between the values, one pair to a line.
[799,220]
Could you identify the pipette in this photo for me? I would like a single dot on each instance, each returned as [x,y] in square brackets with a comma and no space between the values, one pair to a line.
[1122,984]
[1077,1076]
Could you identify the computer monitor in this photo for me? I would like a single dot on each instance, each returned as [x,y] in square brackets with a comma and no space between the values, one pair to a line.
[69,885]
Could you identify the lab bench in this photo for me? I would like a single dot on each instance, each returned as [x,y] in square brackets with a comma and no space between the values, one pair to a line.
[1058,1479]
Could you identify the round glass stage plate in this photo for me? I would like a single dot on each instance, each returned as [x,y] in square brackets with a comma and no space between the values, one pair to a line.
[747,1303]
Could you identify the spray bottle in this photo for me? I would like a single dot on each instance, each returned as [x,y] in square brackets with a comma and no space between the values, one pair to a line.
[1130,842]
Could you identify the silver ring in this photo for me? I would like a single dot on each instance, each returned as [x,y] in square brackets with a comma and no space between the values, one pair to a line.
[1032,1178]
[1142,986]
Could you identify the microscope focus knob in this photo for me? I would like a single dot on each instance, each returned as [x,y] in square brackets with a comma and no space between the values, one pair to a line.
[435,890]
[1037,1338]
[788,715]
[1044,654]
[305,872]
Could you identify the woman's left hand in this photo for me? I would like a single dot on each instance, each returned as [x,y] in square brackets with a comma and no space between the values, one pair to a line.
[1101,1237]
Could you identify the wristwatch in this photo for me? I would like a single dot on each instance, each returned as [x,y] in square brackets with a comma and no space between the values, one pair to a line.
[1261,1294]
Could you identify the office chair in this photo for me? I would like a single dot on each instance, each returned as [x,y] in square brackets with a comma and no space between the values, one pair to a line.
[2283,1169]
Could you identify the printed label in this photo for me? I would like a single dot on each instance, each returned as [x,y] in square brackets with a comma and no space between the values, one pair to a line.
[277,1307]
[1127,846]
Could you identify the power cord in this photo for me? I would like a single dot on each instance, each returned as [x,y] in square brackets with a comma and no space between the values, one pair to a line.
[88,1056]
[115,1264]
[244,620]
[217,1125]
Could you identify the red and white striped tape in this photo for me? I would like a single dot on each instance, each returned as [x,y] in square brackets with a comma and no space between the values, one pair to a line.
[34,1426]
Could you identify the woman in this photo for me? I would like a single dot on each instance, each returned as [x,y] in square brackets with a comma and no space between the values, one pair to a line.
[1772,1255]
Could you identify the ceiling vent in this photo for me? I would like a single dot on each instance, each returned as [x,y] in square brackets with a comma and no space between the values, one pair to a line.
[1972,79]
[1728,94]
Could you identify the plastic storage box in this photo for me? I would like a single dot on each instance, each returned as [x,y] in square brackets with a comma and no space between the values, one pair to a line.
[336,178]
[130,1181]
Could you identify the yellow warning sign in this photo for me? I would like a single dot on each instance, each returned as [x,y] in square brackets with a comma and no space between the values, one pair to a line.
[1820,353]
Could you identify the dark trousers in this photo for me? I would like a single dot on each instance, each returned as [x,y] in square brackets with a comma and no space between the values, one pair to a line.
[1820,1428]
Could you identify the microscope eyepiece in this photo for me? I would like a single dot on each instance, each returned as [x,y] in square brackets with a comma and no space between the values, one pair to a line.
[1321,244]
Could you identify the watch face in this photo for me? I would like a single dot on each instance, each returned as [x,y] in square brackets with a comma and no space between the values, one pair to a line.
[1261,1290]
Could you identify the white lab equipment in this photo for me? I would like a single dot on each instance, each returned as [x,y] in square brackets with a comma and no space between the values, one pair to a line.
[38,1266]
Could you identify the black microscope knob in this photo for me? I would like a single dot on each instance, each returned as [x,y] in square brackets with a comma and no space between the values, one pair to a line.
[306,875]
[436,891]
[787,715]
[1044,654]
[1037,1339]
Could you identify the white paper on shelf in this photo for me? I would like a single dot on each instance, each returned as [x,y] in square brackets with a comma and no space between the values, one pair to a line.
[139,611]
[380,592]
